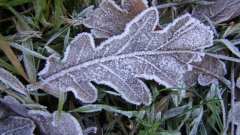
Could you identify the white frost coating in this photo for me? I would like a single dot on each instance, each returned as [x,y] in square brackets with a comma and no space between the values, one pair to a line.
[89,130]
[15,125]
[145,2]
[82,98]
[224,67]
[112,93]
[119,61]
[114,4]
[123,95]
[47,65]
[51,125]
[8,79]
[75,123]
[155,78]
[238,82]
[149,95]
[39,113]
[190,21]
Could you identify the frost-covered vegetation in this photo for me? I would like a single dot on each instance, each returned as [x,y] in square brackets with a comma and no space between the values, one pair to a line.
[119,67]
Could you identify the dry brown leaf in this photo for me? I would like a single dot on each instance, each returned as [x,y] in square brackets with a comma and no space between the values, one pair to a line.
[109,19]
[206,72]
[122,61]
[220,11]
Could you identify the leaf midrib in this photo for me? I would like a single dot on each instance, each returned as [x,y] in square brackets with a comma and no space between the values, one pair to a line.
[112,58]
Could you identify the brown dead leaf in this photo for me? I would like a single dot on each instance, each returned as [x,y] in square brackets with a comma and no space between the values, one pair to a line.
[220,11]
[207,71]
[109,19]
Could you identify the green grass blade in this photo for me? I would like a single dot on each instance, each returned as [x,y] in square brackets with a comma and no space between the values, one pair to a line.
[11,3]
[28,51]
[61,102]
[99,107]
[29,60]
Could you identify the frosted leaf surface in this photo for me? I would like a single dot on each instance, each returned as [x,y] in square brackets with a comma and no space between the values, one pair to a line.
[49,124]
[122,61]
[220,11]
[238,82]
[2,85]
[109,19]
[14,105]
[3,111]
[14,125]
[236,113]
[205,72]
[11,81]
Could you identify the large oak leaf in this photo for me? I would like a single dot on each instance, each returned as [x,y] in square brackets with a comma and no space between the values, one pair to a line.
[122,61]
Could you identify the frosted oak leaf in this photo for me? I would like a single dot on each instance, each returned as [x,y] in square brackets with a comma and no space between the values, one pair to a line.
[207,71]
[109,19]
[220,11]
[122,61]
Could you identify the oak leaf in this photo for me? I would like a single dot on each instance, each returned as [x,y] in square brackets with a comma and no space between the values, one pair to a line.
[122,61]
[109,19]
[208,71]
[220,11]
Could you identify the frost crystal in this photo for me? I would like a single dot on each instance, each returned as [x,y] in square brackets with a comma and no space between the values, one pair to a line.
[122,61]
[109,19]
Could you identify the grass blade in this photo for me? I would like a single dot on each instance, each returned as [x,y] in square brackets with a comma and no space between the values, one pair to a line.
[99,107]
[61,102]
[12,57]
[28,51]
[29,61]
